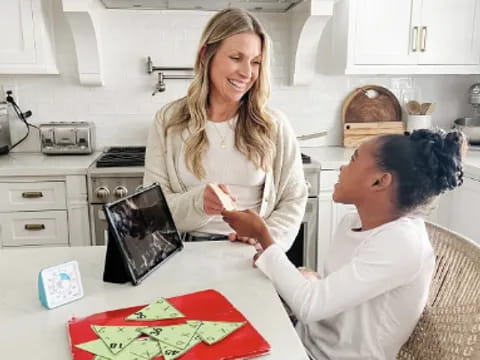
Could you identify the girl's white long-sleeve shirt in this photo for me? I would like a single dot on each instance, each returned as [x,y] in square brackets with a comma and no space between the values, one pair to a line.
[373,289]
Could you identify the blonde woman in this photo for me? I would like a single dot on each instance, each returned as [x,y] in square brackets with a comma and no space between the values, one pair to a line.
[223,133]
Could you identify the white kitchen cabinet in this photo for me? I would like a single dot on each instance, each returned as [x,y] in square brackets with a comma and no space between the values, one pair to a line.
[391,44]
[408,37]
[329,214]
[460,210]
[44,211]
[449,32]
[24,196]
[32,228]
[27,45]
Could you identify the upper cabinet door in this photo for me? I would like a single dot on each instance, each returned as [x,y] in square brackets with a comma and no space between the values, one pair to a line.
[406,37]
[384,31]
[450,32]
[16,25]
[26,45]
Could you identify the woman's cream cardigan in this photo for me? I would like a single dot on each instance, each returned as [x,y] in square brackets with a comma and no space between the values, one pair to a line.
[284,194]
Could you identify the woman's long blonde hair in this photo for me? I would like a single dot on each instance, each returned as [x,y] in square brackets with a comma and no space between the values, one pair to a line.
[255,129]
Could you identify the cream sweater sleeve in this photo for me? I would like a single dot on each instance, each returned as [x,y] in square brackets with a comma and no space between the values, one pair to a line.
[389,260]
[186,206]
[290,187]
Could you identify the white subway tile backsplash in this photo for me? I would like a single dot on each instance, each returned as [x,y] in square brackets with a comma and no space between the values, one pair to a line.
[124,107]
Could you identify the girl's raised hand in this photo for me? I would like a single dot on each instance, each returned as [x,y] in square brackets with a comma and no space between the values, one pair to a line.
[249,224]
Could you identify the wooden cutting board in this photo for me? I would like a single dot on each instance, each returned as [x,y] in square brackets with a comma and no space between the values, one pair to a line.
[370,111]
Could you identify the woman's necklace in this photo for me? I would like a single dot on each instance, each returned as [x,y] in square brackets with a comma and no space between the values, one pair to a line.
[223,145]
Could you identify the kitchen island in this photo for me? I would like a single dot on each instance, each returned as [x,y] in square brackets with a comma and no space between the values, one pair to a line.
[30,331]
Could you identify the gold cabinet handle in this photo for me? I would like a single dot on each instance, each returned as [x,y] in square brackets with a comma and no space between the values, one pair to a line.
[32,194]
[423,45]
[415,38]
[34,227]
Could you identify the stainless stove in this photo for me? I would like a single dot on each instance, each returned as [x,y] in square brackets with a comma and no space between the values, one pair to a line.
[122,156]
[117,172]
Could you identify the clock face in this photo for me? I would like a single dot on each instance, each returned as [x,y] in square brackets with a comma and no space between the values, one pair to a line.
[62,284]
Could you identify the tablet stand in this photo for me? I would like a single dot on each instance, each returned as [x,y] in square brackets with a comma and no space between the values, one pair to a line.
[114,271]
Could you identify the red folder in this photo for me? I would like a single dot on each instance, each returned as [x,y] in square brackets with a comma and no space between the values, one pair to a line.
[208,305]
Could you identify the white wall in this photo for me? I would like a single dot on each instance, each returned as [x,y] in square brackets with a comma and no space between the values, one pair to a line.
[123,109]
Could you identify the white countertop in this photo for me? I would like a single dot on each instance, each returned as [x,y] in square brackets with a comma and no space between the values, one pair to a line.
[30,331]
[329,157]
[38,164]
[472,164]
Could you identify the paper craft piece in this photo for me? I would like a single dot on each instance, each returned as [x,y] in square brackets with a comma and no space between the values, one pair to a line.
[159,310]
[117,337]
[171,352]
[214,331]
[139,349]
[96,347]
[225,199]
[144,348]
[178,336]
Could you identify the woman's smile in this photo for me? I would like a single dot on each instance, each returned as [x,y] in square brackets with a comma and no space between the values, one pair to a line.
[238,85]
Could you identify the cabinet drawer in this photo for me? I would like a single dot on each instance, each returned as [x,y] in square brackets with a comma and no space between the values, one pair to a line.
[46,195]
[328,178]
[34,228]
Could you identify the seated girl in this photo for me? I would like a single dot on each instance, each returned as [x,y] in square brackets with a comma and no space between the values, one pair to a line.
[377,273]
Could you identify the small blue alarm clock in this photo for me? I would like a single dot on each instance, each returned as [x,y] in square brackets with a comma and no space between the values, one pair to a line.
[59,284]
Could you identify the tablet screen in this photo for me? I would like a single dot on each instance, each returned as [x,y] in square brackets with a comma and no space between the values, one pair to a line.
[145,231]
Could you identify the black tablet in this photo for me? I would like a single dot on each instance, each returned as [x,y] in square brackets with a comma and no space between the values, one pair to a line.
[143,228]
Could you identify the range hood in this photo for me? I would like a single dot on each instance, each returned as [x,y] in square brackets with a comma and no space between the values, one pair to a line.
[305,18]
[278,6]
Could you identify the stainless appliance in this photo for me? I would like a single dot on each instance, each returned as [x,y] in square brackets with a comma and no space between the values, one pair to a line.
[474,99]
[67,138]
[279,6]
[304,249]
[470,126]
[5,141]
[119,171]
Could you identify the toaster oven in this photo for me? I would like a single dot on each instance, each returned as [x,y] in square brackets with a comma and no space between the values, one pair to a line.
[67,138]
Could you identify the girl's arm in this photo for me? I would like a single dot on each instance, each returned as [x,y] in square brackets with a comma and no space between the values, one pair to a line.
[383,264]
[390,259]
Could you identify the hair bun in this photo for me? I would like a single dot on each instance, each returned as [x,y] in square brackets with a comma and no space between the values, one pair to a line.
[456,139]
[441,154]
[425,135]
[431,145]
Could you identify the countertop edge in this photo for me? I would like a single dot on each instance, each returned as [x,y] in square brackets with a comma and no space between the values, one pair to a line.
[41,165]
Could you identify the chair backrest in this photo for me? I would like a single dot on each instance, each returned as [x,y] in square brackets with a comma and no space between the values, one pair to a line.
[450,325]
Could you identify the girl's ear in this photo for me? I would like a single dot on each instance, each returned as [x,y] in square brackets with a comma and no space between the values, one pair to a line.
[382,182]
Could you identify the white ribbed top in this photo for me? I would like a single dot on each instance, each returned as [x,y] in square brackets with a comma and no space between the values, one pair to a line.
[226,165]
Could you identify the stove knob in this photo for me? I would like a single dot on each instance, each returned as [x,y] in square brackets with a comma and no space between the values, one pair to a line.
[102,193]
[120,192]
